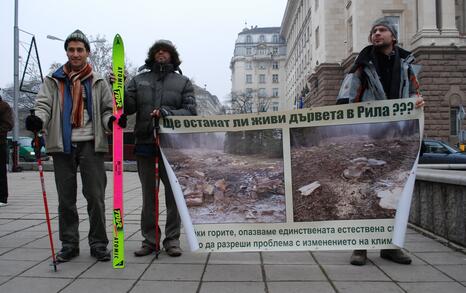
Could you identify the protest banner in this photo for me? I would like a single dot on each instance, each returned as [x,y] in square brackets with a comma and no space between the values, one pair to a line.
[324,178]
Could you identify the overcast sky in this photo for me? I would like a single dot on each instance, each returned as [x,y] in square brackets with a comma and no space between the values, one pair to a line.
[204,31]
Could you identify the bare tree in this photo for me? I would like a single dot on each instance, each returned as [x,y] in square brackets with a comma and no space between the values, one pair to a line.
[248,102]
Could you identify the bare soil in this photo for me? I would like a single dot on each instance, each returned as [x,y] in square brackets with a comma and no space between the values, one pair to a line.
[341,197]
[224,188]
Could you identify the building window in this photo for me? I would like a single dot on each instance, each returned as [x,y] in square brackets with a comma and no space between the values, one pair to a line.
[317,37]
[275,38]
[261,78]
[275,65]
[248,51]
[275,92]
[275,50]
[262,93]
[454,121]
[262,66]
[460,17]
[261,38]
[275,106]
[249,92]
[248,78]
[248,39]
[275,78]
[262,51]
[395,19]
[349,35]
[248,65]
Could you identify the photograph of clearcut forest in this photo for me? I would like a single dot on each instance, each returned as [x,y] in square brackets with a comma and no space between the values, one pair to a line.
[351,172]
[230,177]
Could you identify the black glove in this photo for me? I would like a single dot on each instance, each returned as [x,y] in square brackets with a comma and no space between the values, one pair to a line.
[34,123]
[122,121]
[165,112]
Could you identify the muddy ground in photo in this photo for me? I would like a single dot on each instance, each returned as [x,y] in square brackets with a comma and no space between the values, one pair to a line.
[225,188]
[357,177]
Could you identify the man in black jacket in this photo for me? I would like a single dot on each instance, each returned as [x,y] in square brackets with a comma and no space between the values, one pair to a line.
[158,91]
[381,71]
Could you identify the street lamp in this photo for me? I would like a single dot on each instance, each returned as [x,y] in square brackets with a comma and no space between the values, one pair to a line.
[50,37]
[54,38]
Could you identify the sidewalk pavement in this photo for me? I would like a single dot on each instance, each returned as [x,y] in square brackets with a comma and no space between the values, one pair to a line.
[25,258]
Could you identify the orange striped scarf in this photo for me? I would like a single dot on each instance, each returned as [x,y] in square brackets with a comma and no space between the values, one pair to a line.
[76,77]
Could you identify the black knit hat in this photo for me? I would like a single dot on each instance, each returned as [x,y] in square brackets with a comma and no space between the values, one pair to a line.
[388,23]
[167,45]
[79,36]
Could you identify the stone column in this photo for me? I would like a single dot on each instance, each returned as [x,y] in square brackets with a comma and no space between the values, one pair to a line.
[448,26]
[427,19]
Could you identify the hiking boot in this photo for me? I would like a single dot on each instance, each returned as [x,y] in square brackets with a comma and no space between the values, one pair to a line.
[67,254]
[100,253]
[3,204]
[174,251]
[143,251]
[395,255]
[359,257]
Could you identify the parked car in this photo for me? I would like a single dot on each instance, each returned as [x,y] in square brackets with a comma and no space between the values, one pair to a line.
[26,151]
[438,152]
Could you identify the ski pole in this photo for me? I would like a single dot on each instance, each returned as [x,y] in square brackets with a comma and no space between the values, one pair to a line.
[157,184]
[37,148]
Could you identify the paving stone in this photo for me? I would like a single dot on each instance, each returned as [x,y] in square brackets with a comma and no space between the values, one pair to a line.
[426,246]
[443,258]
[283,257]
[98,285]
[293,273]
[36,285]
[450,287]
[105,270]
[406,273]
[185,258]
[12,268]
[368,272]
[235,258]
[367,287]
[232,287]
[64,270]
[333,258]
[27,254]
[165,287]
[173,272]
[300,287]
[233,273]
[457,272]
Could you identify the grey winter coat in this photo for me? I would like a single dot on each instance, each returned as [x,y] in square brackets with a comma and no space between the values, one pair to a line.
[362,83]
[49,109]
[155,89]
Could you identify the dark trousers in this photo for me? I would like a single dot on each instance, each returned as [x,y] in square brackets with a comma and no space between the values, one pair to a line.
[94,181]
[3,171]
[146,171]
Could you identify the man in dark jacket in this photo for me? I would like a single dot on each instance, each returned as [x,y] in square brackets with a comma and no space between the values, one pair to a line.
[158,91]
[381,71]
[6,124]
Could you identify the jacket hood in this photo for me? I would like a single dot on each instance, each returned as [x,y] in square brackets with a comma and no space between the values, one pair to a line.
[167,45]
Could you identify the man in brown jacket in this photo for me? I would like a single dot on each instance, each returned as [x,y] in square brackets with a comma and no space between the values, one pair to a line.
[6,124]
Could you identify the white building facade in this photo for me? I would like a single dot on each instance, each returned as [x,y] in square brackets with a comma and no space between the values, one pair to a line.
[324,37]
[257,69]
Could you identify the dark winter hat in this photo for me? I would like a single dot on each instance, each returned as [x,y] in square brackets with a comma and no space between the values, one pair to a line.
[167,45]
[78,35]
[386,22]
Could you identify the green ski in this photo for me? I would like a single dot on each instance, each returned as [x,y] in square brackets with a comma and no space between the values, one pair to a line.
[118,99]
